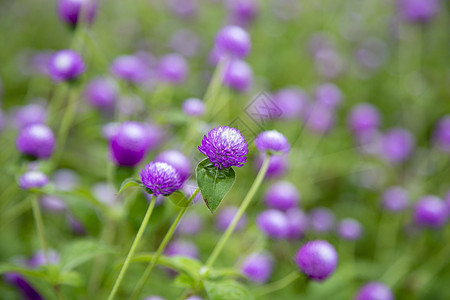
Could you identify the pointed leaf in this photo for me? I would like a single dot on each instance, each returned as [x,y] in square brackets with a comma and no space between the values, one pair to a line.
[129,182]
[227,289]
[214,183]
[179,199]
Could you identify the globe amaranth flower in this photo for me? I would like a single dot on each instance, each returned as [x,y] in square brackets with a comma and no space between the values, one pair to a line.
[26,289]
[33,179]
[317,259]
[397,145]
[154,298]
[274,223]
[329,95]
[278,165]
[177,160]
[129,144]
[238,75]
[30,114]
[364,119]
[130,68]
[258,267]
[73,11]
[272,141]
[442,134]
[173,68]
[321,219]
[292,102]
[396,199]
[36,140]
[225,147]
[282,195]
[191,224]
[298,223]
[161,178]
[66,65]
[226,216]
[421,11]
[101,93]
[350,229]
[431,211]
[375,291]
[233,41]
[194,107]
[242,12]
[182,248]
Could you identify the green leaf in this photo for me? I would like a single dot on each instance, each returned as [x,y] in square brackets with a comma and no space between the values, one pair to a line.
[38,273]
[183,264]
[129,182]
[214,183]
[80,252]
[225,290]
[184,281]
[179,199]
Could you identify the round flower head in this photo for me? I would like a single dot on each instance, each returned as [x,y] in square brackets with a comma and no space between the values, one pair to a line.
[177,160]
[292,102]
[431,212]
[442,134]
[298,223]
[226,216]
[375,291]
[397,144]
[278,165]
[33,179]
[364,118]
[130,68]
[173,68]
[329,63]
[27,290]
[130,144]
[282,195]
[182,248]
[273,223]
[30,114]
[396,199]
[239,76]
[350,229]
[154,298]
[258,267]
[36,140]
[53,204]
[101,93]
[225,147]
[183,8]
[243,12]
[317,259]
[419,10]
[161,178]
[233,41]
[72,11]
[320,118]
[272,141]
[321,219]
[194,107]
[329,95]
[191,224]
[66,65]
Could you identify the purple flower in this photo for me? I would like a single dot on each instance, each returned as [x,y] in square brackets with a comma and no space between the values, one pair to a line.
[320,118]
[130,144]
[161,178]
[154,298]
[442,134]
[282,195]
[329,63]
[173,68]
[105,193]
[278,165]
[65,179]
[101,93]
[2,119]
[272,141]
[292,101]
[183,8]
[431,211]
[350,229]
[33,179]
[329,95]
[317,259]
[418,10]
[238,75]
[242,12]
[396,199]
[225,147]
[177,160]
[30,114]
[194,298]
[189,188]
[76,226]
[273,223]
[298,223]
[233,41]
[364,119]
[194,107]
[36,140]
[191,224]
[321,219]
[27,290]
[182,248]
[53,204]
[226,216]
[66,65]
[398,144]
[130,68]
[40,259]
[72,11]
[186,42]
[375,291]
[258,267]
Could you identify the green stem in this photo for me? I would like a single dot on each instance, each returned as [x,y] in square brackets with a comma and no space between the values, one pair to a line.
[248,198]
[161,248]
[133,248]
[39,225]
[15,212]
[277,285]
[65,125]
[215,85]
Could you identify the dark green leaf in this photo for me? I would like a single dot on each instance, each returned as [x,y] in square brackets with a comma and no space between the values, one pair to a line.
[179,199]
[129,182]
[226,290]
[214,183]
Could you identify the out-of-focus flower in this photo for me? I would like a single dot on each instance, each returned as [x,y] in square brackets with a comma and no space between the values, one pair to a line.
[328,94]
[258,267]
[182,248]
[282,195]
[396,199]
[177,160]
[194,107]
[321,219]
[73,11]
[375,291]
[173,68]
[233,41]
[30,114]
[66,65]
[33,179]
[364,119]
[442,134]
[431,211]
[130,68]
[397,145]
[278,165]
[350,229]
[130,144]
[101,93]
[298,223]
[36,140]
[317,259]
[226,216]
[273,223]
[292,102]
[272,141]
[420,11]
[239,75]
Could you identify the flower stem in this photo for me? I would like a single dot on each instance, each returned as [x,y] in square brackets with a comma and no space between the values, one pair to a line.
[39,225]
[277,285]
[215,84]
[133,248]
[15,212]
[161,248]
[248,198]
